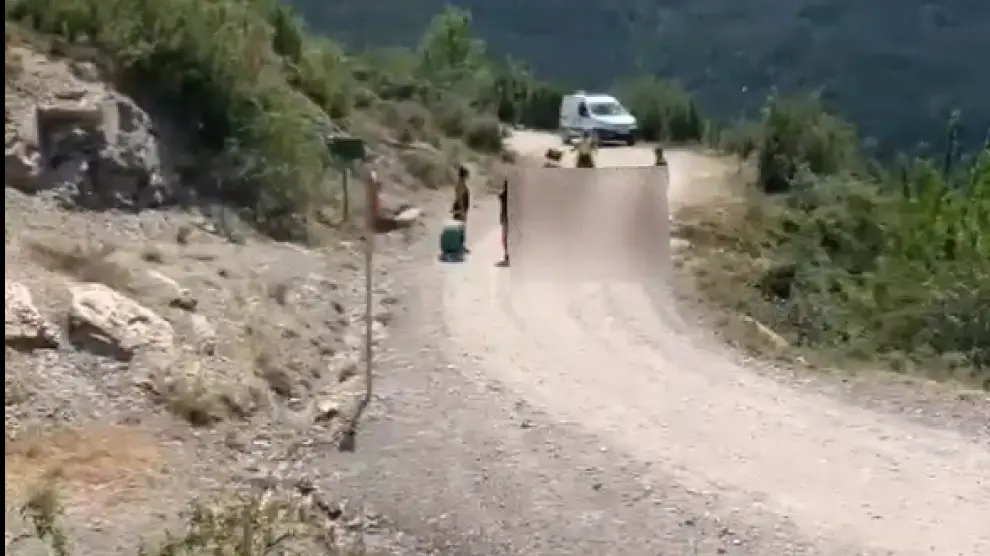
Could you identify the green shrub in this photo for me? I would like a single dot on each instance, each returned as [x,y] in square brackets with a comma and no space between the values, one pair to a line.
[411,121]
[797,134]
[743,138]
[665,110]
[484,134]
[521,99]
[432,167]
[869,268]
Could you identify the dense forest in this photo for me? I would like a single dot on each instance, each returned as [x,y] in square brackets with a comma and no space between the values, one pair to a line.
[896,68]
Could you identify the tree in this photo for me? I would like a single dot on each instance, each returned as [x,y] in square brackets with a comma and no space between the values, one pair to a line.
[448,54]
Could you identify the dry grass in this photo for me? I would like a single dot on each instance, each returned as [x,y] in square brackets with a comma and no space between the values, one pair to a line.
[288,359]
[245,524]
[431,166]
[203,396]
[83,458]
[82,261]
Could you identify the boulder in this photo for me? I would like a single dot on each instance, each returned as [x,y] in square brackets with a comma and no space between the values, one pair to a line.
[407,217]
[24,326]
[106,322]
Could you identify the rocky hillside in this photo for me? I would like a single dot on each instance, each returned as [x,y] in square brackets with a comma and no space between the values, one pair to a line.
[895,68]
[161,347]
[146,349]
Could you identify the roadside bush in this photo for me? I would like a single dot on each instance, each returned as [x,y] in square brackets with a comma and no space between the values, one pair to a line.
[521,99]
[741,139]
[665,110]
[411,121]
[432,167]
[484,134]
[799,134]
[870,264]
[541,107]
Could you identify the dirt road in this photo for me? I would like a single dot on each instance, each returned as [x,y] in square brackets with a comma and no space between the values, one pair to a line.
[578,419]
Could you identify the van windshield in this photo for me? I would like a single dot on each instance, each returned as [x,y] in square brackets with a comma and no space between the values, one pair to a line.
[608,108]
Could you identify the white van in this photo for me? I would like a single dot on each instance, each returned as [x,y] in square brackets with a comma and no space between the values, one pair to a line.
[600,114]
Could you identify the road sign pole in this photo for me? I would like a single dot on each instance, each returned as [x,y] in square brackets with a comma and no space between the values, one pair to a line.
[346,151]
[371,216]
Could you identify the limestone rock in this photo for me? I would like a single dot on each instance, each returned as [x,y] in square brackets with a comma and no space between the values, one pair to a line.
[107,322]
[24,326]
[204,334]
[94,148]
[767,336]
[171,292]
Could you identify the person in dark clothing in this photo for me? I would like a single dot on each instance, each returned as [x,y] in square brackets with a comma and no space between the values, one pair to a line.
[503,219]
[661,159]
[462,199]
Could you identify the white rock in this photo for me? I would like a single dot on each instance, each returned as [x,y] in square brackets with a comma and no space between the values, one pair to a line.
[110,323]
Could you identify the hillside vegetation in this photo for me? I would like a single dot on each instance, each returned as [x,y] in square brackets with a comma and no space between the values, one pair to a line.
[842,255]
[896,67]
[263,93]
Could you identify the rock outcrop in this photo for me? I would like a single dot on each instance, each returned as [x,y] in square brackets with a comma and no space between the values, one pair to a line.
[106,322]
[25,328]
[95,148]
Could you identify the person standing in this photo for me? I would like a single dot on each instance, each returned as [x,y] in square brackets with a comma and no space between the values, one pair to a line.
[503,219]
[660,159]
[462,200]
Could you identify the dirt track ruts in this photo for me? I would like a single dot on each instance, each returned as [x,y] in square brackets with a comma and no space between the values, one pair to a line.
[535,419]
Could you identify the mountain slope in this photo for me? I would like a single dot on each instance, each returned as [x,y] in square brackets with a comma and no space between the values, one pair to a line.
[896,68]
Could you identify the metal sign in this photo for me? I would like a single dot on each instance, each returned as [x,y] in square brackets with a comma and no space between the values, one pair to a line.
[347,149]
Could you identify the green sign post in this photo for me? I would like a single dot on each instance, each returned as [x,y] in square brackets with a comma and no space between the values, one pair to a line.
[347,153]
[347,149]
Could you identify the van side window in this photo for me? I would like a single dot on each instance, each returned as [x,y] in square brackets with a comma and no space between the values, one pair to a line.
[583,110]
